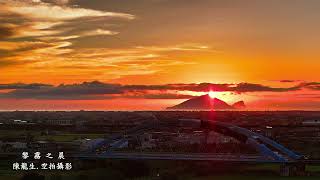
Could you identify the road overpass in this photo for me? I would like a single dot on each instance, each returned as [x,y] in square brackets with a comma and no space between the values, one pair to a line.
[268,150]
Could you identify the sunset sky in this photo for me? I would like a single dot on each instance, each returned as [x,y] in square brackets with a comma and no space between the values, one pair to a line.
[151,54]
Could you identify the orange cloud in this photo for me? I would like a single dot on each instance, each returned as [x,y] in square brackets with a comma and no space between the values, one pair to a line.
[44,11]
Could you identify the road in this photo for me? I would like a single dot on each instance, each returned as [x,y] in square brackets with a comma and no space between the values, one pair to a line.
[177,156]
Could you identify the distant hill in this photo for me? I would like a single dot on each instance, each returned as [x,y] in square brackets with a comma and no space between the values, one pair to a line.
[206,102]
[239,105]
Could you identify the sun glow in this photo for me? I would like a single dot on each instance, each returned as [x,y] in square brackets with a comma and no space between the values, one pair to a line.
[212,94]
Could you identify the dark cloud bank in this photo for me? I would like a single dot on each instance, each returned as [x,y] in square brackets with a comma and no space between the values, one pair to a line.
[99,90]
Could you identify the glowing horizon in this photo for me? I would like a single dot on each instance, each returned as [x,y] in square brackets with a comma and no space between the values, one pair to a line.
[212,94]
[131,55]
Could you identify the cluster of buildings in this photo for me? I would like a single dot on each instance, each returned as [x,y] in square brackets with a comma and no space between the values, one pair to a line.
[18,145]
[166,140]
[266,123]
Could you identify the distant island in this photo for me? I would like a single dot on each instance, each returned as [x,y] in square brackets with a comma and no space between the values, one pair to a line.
[206,102]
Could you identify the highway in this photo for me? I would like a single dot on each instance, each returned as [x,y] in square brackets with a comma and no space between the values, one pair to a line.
[177,156]
[270,151]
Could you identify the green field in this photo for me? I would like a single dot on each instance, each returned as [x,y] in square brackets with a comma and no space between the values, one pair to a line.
[61,137]
[261,172]
[69,137]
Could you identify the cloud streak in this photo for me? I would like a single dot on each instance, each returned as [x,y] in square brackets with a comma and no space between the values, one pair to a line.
[36,33]
[45,11]
[24,86]
[44,34]
[28,18]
